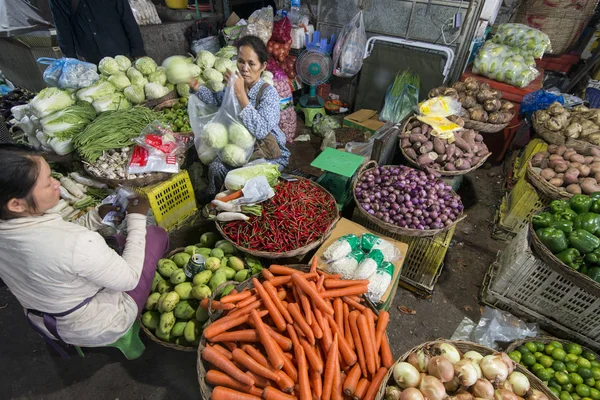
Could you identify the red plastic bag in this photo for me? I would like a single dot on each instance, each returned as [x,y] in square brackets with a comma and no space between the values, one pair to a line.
[282,30]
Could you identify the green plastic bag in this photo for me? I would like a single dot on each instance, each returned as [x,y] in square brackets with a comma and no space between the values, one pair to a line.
[372,242]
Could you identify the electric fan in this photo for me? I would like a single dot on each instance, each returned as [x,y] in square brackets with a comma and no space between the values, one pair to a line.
[313,67]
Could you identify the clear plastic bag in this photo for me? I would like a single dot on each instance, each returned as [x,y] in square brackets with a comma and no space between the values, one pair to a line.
[440,106]
[260,24]
[505,64]
[523,37]
[222,134]
[144,12]
[398,107]
[210,43]
[287,114]
[69,73]
[326,122]
[350,48]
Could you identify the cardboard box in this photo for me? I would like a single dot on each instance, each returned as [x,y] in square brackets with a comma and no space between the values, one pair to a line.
[364,119]
[345,227]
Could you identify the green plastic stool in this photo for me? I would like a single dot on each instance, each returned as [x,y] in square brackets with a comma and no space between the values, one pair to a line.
[130,343]
[310,114]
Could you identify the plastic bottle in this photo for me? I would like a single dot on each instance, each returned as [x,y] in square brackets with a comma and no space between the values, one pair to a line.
[295,14]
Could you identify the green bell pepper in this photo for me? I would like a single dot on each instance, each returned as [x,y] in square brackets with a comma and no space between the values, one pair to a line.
[559,205]
[588,221]
[595,196]
[542,220]
[594,273]
[583,241]
[565,226]
[554,239]
[595,208]
[593,258]
[584,269]
[565,215]
[571,257]
[580,203]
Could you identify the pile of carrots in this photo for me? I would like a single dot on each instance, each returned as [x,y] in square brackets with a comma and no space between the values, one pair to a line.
[300,336]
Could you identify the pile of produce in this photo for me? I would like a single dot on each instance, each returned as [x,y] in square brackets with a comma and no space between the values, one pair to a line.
[176,116]
[505,64]
[297,335]
[568,170]
[78,195]
[299,214]
[463,151]
[279,51]
[213,67]
[440,370]
[232,143]
[289,66]
[12,99]
[407,198]
[580,123]
[570,230]
[529,40]
[570,372]
[178,304]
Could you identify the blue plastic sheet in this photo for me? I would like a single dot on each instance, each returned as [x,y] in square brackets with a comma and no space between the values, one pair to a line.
[539,100]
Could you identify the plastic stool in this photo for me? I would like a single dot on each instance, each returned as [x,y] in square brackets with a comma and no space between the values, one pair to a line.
[310,114]
[130,343]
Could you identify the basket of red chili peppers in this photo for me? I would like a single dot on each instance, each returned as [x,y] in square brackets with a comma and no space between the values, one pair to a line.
[297,219]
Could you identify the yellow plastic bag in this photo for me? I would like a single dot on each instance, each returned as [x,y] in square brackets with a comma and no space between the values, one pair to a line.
[442,127]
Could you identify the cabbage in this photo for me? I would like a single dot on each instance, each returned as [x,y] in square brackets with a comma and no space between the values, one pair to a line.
[223,64]
[115,101]
[236,179]
[195,70]
[119,80]
[234,156]
[70,121]
[176,59]
[227,52]
[134,94]
[181,71]
[124,63]
[141,81]
[267,75]
[205,59]
[159,76]
[49,100]
[145,65]
[211,74]
[133,73]
[108,66]
[61,147]
[207,155]
[215,86]
[99,89]
[183,90]
[155,91]
[215,135]
[239,135]
[18,112]
[170,86]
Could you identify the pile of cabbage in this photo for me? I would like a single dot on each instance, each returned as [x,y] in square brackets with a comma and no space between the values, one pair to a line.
[233,144]
[214,66]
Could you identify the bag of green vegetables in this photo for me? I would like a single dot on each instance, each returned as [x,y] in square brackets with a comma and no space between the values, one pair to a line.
[505,64]
[523,37]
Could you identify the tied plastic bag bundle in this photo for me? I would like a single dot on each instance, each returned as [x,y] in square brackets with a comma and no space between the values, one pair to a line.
[222,134]
[523,37]
[322,125]
[287,114]
[343,246]
[371,242]
[505,64]
[350,48]
[260,24]
[379,281]
[347,265]
[369,264]
[69,73]
[538,100]
[282,30]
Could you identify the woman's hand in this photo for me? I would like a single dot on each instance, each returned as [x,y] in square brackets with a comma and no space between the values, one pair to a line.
[239,88]
[138,205]
[193,84]
[106,208]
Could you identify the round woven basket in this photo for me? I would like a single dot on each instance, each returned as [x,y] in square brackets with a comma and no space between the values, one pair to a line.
[441,172]
[153,337]
[581,146]
[582,281]
[544,187]
[293,253]
[549,136]
[544,339]
[391,227]
[463,347]
[486,126]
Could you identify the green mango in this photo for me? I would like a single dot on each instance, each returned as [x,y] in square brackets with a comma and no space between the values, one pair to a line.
[229,272]
[178,277]
[178,328]
[164,287]
[166,323]
[212,263]
[190,250]
[166,267]
[217,253]
[185,309]
[218,278]
[201,314]
[160,302]
[164,336]
[191,331]
[236,263]
[209,239]
[170,301]
[223,262]
[184,290]
[203,251]
[152,301]
[202,278]
[157,278]
[242,275]
[181,259]
[227,289]
[150,319]
[226,247]
[219,242]
[201,292]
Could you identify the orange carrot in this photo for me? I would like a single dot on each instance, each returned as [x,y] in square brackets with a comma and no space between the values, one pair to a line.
[349,290]
[342,283]
[270,393]
[289,368]
[244,310]
[382,323]
[361,389]
[271,347]
[367,341]
[327,337]
[299,319]
[261,382]
[330,367]
[272,292]
[330,276]
[223,351]
[338,307]
[357,299]
[221,326]
[234,298]
[243,335]
[337,392]
[319,317]
[286,279]
[370,315]
[247,301]
[223,393]
[312,357]
[293,336]
[352,380]
[375,384]
[268,275]
[215,305]
[311,292]
[386,353]
[282,341]
[256,355]
[352,303]
[313,264]
[251,364]
[353,316]
[285,383]
[347,353]
[303,381]
[283,270]
[347,331]
[220,361]
[232,196]
[297,328]
[230,345]
[217,378]
[276,316]
[317,331]
[316,383]
[320,283]
[305,303]
[282,294]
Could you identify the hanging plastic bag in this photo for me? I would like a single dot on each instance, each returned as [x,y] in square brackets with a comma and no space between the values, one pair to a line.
[350,48]
[260,24]
[526,38]
[282,30]
[68,73]
[505,64]
[224,135]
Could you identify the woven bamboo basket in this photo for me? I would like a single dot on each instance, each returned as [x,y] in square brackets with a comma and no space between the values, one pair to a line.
[583,281]
[552,137]
[293,253]
[582,147]
[544,339]
[463,347]
[441,172]
[544,187]
[391,227]
[486,126]
[158,341]
[153,103]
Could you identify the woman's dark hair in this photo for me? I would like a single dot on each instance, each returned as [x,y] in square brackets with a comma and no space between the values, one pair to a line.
[19,172]
[257,45]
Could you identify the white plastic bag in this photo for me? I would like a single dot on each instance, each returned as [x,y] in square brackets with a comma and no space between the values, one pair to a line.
[260,24]
[350,48]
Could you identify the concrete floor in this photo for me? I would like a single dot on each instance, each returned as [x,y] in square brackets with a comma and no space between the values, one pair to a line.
[31,370]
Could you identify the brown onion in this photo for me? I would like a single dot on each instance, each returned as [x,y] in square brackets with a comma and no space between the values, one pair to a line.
[464,396]
[452,386]
[466,372]
[509,363]
[432,388]
[504,394]
[441,368]
[494,368]
[411,394]
[483,389]
[537,395]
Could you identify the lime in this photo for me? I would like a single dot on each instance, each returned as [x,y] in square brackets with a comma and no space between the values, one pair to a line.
[557,344]
[584,363]
[572,357]
[528,359]
[549,349]
[555,391]
[590,382]
[544,374]
[546,361]
[540,346]
[597,385]
[565,396]
[574,348]
[583,390]
[575,379]
[515,356]
[571,366]
[586,398]
[585,373]
[595,394]
[559,366]
[562,378]
[553,383]
[538,354]
[595,364]
[568,387]
[536,367]
[522,349]
[531,347]
[559,354]
[575,396]
[589,355]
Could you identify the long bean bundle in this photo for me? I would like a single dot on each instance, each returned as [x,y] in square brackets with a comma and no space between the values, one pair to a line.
[111,130]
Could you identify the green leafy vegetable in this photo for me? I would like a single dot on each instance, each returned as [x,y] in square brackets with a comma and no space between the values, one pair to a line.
[65,123]
[237,178]
[119,80]
[145,65]
[134,94]
[234,156]
[215,135]
[99,89]
[124,63]
[205,59]
[112,102]
[108,66]
[239,135]
[50,100]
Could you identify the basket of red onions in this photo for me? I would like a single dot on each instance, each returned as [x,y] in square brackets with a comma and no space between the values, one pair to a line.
[406,201]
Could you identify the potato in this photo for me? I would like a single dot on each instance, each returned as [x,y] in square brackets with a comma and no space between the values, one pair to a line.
[536,160]
[588,160]
[555,157]
[594,138]
[457,120]
[460,86]
[469,102]
[484,86]
[551,148]
[597,176]
[571,176]
[492,105]
[411,153]
[575,165]
[573,130]
[580,108]
[542,116]
[555,108]
[574,188]
[435,91]
[449,92]
[558,182]
[497,93]
[553,124]
[548,173]
[471,84]
[484,95]
[584,170]
[426,147]
[479,115]
[577,158]
[568,153]
[560,150]
[589,186]
[595,167]
[506,105]
[495,117]
[560,166]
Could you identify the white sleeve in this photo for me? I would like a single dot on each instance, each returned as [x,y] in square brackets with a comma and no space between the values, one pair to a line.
[90,220]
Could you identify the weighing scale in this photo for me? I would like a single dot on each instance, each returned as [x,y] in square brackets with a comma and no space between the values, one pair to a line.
[339,167]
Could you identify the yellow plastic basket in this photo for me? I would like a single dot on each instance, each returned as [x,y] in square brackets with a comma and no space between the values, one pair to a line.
[172,201]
